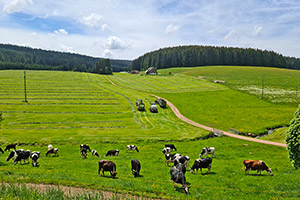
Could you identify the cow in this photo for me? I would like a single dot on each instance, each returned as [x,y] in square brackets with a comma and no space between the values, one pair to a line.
[13,154]
[207,150]
[112,153]
[171,158]
[256,165]
[87,147]
[83,152]
[178,177]
[106,165]
[95,153]
[135,167]
[132,148]
[52,150]
[201,163]
[166,150]
[172,146]
[182,159]
[34,157]
[23,155]
[10,146]
[1,150]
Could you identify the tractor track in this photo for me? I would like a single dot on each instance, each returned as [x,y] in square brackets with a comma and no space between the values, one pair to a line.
[189,121]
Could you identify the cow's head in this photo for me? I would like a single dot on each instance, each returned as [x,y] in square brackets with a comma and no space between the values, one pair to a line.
[113,174]
[11,155]
[135,174]
[269,170]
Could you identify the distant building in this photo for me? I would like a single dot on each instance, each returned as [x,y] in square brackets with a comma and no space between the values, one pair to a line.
[151,71]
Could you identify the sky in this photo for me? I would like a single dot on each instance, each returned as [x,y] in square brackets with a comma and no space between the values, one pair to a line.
[127,29]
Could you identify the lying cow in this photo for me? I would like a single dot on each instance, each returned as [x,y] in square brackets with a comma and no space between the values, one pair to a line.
[132,148]
[83,152]
[172,146]
[1,150]
[34,157]
[178,177]
[256,165]
[52,150]
[166,150]
[112,153]
[207,150]
[106,165]
[95,153]
[201,163]
[13,154]
[23,155]
[10,146]
[87,147]
[135,167]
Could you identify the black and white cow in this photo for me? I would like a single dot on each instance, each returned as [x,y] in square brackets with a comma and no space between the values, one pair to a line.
[172,146]
[166,150]
[135,167]
[23,155]
[10,146]
[13,154]
[87,147]
[1,150]
[132,148]
[170,158]
[83,152]
[95,153]
[207,150]
[178,176]
[202,163]
[52,150]
[112,153]
[183,160]
[34,157]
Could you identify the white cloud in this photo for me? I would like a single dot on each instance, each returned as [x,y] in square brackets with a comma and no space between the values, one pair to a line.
[59,32]
[15,5]
[231,35]
[113,42]
[171,29]
[257,30]
[92,20]
[104,27]
[107,53]
[66,48]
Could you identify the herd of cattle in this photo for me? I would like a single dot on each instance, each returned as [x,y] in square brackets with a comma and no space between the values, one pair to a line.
[177,172]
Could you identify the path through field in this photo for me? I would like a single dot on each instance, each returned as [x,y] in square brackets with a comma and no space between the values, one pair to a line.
[183,118]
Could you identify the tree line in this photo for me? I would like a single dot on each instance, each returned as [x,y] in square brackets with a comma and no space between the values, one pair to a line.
[192,56]
[17,57]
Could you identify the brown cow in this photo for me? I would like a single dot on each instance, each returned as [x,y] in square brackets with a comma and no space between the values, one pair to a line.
[256,165]
[106,165]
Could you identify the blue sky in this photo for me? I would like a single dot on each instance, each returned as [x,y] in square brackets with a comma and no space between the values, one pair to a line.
[126,29]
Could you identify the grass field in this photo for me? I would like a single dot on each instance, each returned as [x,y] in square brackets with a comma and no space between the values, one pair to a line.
[68,109]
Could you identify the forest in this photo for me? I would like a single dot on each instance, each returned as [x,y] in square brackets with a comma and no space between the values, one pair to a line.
[17,57]
[192,56]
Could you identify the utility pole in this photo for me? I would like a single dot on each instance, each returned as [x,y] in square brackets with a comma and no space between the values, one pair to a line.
[25,87]
[262,87]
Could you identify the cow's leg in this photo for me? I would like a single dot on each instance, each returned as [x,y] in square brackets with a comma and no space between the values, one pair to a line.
[209,166]
[99,170]
[103,172]
[201,170]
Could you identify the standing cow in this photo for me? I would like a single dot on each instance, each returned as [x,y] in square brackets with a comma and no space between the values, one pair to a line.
[10,146]
[172,146]
[135,167]
[201,163]
[178,176]
[106,165]
[23,155]
[207,150]
[52,150]
[132,148]
[13,154]
[34,157]
[256,165]
[83,152]
[112,153]
[87,147]
[95,153]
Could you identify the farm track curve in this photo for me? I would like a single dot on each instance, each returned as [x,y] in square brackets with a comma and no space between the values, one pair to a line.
[187,120]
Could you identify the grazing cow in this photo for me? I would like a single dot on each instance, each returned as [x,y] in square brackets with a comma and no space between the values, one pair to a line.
[10,146]
[23,155]
[52,150]
[83,152]
[207,150]
[112,153]
[182,159]
[1,150]
[170,158]
[202,163]
[87,147]
[13,154]
[166,150]
[132,148]
[172,146]
[106,165]
[95,153]
[34,157]
[135,167]
[178,177]
[256,165]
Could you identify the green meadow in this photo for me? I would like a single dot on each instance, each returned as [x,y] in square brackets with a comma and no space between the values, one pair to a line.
[67,109]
